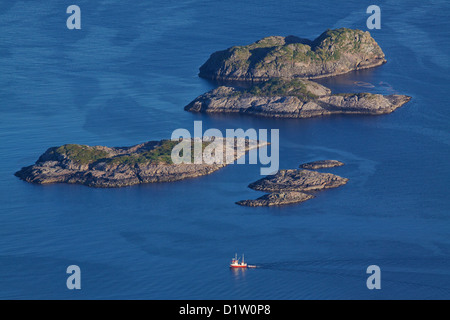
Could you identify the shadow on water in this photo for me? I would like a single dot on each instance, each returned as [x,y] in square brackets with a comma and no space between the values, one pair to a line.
[229,83]
[365,80]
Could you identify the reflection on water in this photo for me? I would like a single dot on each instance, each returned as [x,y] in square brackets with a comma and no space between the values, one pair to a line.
[238,273]
[367,80]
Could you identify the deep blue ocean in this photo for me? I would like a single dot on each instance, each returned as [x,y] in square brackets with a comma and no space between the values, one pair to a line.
[124,79]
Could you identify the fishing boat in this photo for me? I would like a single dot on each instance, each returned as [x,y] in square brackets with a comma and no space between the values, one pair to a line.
[236,264]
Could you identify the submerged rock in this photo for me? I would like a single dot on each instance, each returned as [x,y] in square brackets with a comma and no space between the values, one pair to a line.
[334,52]
[320,164]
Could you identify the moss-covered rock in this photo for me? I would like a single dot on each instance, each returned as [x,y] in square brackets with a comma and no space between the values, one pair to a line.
[99,166]
[81,154]
[333,52]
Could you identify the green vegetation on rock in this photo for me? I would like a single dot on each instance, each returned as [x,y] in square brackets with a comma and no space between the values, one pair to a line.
[279,87]
[333,52]
[82,154]
[158,154]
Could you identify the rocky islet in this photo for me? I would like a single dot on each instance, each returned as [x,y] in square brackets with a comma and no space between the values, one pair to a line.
[106,167]
[332,53]
[292,186]
[321,164]
[299,98]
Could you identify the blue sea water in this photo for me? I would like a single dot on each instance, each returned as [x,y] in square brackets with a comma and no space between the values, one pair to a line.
[125,77]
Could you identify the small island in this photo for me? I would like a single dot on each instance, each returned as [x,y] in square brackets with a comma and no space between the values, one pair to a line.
[106,167]
[277,199]
[321,164]
[298,180]
[298,98]
[291,186]
[332,53]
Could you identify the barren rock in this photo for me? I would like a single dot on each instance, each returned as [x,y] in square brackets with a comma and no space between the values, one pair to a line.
[321,164]
[298,180]
[277,199]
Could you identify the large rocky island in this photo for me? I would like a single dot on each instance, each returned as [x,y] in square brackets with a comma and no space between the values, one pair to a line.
[99,166]
[332,53]
[296,98]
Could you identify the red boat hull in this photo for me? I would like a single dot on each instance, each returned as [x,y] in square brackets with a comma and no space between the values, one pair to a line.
[234,266]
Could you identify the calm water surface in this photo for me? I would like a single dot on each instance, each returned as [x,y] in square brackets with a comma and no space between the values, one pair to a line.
[125,77]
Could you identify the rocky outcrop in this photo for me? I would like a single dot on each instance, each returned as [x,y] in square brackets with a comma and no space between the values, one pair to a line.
[334,52]
[106,167]
[293,99]
[291,186]
[277,199]
[321,164]
[298,180]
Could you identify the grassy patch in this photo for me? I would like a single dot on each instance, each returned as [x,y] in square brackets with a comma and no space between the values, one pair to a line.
[279,87]
[82,154]
[160,154]
[329,46]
